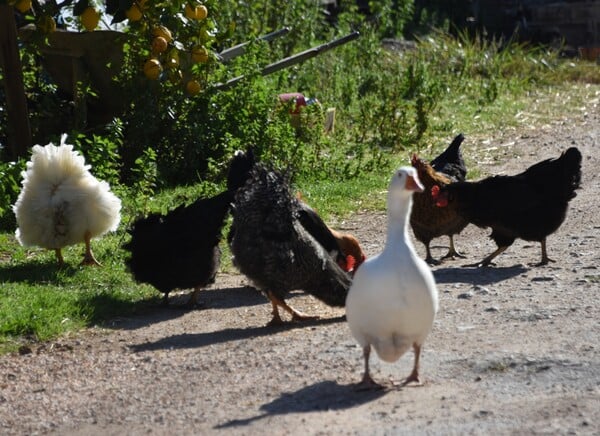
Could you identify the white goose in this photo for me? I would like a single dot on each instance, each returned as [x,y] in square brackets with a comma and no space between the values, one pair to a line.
[393,299]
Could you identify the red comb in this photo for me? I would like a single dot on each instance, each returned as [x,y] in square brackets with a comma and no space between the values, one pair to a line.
[350,262]
[440,199]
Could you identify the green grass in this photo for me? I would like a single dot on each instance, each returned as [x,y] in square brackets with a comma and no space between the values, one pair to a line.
[484,96]
[40,301]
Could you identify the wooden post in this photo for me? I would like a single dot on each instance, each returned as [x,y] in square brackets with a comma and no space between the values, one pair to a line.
[19,131]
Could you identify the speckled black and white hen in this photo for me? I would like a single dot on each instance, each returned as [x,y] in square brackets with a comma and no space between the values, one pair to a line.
[275,251]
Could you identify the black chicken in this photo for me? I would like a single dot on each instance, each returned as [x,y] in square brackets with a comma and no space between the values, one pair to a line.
[180,250]
[427,220]
[450,162]
[273,248]
[530,205]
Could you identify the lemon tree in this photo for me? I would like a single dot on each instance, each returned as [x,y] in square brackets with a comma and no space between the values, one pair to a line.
[171,42]
[179,35]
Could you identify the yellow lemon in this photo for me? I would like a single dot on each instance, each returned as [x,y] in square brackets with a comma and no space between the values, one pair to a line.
[159,44]
[164,32]
[23,5]
[201,12]
[152,69]
[134,13]
[46,24]
[190,11]
[90,18]
[193,87]
[196,12]
[199,54]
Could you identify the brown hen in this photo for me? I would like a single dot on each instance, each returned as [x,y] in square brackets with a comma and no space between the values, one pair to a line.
[429,221]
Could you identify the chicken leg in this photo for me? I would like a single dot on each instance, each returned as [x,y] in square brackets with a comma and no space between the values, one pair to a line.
[429,258]
[193,300]
[452,251]
[296,315]
[545,258]
[59,256]
[88,257]
[488,260]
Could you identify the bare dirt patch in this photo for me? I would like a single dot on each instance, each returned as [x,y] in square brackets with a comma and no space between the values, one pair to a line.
[514,348]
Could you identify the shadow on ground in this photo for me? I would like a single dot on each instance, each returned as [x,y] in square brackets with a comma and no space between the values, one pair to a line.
[321,396]
[197,340]
[477,276]
[217,298]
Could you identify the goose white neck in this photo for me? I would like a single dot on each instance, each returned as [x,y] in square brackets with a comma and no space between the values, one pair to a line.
[399,207]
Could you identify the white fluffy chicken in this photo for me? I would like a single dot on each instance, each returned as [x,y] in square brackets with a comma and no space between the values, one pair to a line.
[393,299]
[61,203]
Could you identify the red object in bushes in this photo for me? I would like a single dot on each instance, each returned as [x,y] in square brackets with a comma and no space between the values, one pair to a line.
[297,97]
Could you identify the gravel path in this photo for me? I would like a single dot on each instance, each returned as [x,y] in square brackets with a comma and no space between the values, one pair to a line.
[514,348]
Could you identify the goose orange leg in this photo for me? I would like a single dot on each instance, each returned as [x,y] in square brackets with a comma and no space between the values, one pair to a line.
[414,375]
[367,383]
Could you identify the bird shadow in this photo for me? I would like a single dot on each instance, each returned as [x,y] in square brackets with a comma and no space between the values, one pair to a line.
[36,272]
[477,276]
[154,311]
[227,298]
[198,340]
[321,396]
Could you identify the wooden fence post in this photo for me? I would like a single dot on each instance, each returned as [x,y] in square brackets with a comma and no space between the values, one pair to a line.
[19,131]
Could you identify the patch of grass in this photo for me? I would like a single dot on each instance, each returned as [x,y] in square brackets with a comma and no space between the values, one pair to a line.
[593,278]
[497,366]
[40,301]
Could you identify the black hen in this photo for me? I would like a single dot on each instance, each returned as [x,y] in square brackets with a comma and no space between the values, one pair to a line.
[271,246]
[530,205]
[180,250]
[450,162]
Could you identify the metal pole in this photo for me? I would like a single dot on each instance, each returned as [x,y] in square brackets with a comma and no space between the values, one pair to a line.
[294,59]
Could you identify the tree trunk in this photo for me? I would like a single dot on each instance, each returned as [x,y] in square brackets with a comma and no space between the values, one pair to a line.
[19,131]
